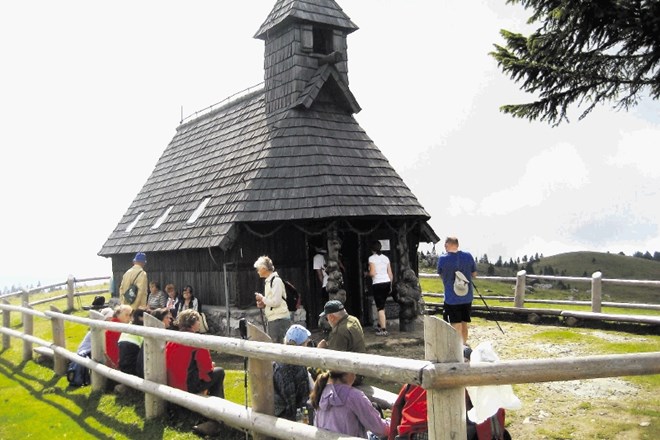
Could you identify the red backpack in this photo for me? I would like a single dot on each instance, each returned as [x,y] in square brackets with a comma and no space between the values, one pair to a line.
[409,417]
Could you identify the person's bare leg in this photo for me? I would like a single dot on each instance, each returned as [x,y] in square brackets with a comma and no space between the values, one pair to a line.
[382,321]
[464,332]
[461,329]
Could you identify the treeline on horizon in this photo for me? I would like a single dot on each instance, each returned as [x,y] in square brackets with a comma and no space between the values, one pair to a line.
[429,260]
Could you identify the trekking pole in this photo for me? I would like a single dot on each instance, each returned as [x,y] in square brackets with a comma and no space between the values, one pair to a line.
[242,329]
[487,308]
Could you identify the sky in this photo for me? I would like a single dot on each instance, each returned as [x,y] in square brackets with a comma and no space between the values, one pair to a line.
[91,93]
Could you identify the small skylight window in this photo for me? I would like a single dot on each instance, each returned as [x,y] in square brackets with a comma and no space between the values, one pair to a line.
[130,227]
[162,218]
[195,215]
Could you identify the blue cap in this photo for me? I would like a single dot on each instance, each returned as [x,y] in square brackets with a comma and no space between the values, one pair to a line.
[297,333]
[140,257]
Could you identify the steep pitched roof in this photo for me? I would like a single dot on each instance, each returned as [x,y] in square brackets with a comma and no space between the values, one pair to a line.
[304,164]
[325,12]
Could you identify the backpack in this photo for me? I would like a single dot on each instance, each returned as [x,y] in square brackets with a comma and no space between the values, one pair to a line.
[292,298]
[130,295]
[409,416]
[461,284]
[78,375]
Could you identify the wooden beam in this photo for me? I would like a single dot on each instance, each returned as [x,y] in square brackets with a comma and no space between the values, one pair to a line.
[6,322]
[154,368]
[541,370]
[60,364]
[260,375]
[446,408]
[98,351]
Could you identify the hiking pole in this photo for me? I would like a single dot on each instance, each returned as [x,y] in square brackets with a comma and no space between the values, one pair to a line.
[487,308]
[242,329]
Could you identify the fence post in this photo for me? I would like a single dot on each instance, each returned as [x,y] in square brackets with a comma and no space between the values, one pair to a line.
[154,368]
[59,363]
[519,299]
[596,291]
[446,407]
[25,302]
[70,287]
[98,352]
[28,329]
[260,375]
[6,322]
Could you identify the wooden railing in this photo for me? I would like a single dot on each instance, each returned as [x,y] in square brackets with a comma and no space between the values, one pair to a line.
[70,285]
[595,303]
[443,373]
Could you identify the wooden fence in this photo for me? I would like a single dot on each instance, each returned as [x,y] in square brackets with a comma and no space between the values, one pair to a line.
[596,302]
[70,285]
[443,373]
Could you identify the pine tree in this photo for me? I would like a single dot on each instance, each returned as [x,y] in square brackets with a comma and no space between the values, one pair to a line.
[584,53]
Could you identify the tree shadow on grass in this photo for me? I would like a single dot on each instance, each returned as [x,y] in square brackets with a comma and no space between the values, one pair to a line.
[89,405]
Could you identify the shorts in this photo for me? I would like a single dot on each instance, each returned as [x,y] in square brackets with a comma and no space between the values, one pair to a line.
[455,313]
[381,291]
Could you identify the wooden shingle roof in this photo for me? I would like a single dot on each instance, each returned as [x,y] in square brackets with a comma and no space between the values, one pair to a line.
[305,164]
[325,12]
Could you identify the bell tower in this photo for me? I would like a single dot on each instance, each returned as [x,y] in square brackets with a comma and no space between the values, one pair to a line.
[301,36]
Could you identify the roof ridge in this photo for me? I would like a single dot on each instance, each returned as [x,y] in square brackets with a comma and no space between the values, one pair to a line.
[227,103]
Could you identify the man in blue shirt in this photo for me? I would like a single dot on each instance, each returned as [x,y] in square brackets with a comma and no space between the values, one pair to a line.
[458,302]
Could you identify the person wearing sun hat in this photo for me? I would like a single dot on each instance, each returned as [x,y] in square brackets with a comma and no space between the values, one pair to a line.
[136,275]
[291,382]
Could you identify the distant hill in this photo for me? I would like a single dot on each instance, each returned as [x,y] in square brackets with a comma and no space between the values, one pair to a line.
[585,263]
[611,265]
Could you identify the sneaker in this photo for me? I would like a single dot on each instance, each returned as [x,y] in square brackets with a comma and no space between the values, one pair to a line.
[208,428]
[382,332]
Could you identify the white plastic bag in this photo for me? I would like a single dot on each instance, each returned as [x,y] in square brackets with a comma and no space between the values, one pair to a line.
[486,400]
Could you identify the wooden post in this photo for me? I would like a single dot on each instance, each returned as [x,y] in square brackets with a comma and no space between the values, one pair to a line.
[154,368]
[70,286]
[98,351]
[28,329]
[59,363]
[6,322]
[596,291]
[25,302]
[519,299]
[260,375]
[446,408]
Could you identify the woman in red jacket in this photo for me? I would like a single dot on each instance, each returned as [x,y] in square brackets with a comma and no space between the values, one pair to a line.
[191,368]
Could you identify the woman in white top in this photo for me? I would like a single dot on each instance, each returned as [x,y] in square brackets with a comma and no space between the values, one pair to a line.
[381,286]
[273,300]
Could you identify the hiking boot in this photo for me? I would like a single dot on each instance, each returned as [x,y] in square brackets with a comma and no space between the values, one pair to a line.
[208,428]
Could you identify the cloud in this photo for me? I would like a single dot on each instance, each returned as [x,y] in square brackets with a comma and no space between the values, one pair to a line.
[559,167]
[639,149]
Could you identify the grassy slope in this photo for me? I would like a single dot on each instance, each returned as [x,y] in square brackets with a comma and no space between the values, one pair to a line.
[28,389]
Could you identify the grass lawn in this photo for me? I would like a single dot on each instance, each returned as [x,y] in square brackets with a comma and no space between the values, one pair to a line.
[36,403]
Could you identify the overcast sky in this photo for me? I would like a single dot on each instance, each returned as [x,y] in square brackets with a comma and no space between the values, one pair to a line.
[91,94]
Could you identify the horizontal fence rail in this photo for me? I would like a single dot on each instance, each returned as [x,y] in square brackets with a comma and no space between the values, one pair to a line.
[596,302]
[443,373]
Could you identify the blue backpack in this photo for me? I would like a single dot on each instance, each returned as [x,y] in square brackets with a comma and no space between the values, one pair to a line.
[78,375]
